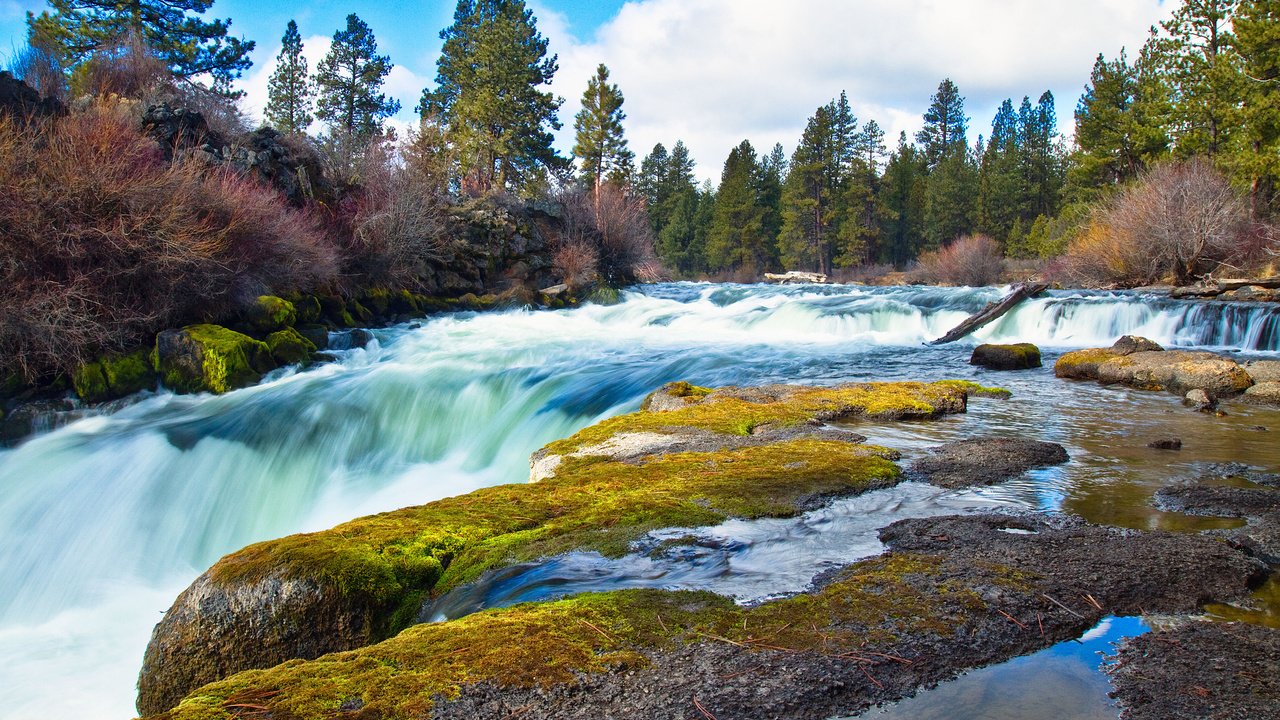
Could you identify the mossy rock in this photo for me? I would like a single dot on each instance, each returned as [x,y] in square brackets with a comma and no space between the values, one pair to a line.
[363,315]
[308,310]
[11,385]
[377,300]
[269,313]
[604,295]
[404,302]
[317,334]
[210,358]
[113,377]
[289,347]
[1018,356]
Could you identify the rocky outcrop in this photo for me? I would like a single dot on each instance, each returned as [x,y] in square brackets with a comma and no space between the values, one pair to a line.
[1019,356]
[210,358]
[1199,670]
[984,461]
[736,452]
[21,102]
[1172,370]
[951,593]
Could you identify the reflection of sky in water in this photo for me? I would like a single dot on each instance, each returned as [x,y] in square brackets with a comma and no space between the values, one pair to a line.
[1063,682]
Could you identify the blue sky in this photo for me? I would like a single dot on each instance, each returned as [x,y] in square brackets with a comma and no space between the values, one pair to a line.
[715,72]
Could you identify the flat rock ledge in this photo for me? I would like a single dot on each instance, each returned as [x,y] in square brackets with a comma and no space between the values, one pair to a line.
[1140,363]
[984,461]
[693,457]
[1200,671]
[1259,506]
[951,593]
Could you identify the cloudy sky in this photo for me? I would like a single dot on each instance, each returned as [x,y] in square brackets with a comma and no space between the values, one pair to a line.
[715,72]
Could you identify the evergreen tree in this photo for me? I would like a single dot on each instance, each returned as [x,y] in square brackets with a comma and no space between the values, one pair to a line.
[903,189]
[1002,182]
[808,197]
[289,92]
[736,240]
[488,92]
[601,147]
[1255,157]
[1196,58]
[945,125]
[1041,159]
[171,29]
[773,171]
[349,79]
[649,182]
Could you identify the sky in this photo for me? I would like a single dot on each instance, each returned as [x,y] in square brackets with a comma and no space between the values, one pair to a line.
[715,72]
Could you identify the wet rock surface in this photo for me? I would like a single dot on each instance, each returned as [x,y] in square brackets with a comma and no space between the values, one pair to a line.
[1200,671]
[1020,356]
[952,593]
[1129,363]
[984,461]
[1259,506]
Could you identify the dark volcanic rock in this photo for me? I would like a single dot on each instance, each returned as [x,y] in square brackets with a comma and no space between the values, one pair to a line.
[1259,506]
[20,101]
[1130,344]
[985,461]
[1021,356]
[1200,671]
[1166,444]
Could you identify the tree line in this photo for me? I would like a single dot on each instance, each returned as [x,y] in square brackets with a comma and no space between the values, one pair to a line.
[1206,84]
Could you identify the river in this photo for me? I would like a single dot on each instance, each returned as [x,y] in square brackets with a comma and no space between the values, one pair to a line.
[104,521]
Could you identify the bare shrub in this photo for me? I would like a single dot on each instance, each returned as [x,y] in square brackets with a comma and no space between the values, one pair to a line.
[576,263]
[972,260]
[867,274]
[1178,222]
[127,68]
[40,68]
[105,243]
[615,225]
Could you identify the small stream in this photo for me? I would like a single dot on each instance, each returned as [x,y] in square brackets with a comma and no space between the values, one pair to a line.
[106,520]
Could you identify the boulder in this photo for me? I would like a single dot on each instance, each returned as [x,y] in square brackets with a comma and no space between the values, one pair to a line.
[289,347]
[1020,356]
[1200,401]
[1263,371]
[985,461]
[269,313]
[210,358]
[1130,344]
[21,102]
[113,377]
[318,335]
[1166,444]
[1267,393]
[1173,370]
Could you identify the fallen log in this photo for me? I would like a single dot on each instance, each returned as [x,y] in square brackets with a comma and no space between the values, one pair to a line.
[993,311]
[1217,287]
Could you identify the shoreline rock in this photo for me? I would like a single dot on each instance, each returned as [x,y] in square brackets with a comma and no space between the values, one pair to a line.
[984,461]
[1180,371]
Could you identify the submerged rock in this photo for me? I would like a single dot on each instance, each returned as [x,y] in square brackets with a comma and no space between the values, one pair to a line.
[1199,670]
[741,452]
[985,461]
[210,358]
[1020,356]
[952,593]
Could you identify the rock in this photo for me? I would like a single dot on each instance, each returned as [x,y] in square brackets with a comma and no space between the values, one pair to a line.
[360,338]
[114,377]
[1200,401]
[289,347]
[269,314]
[21,102]
[1267,393]
[951,593]
[1251,293]
[555,290]
[1020,356]
[1199,670]
[210,358]
[1130,344]
[1260,506]
[307,309]
[674,396]
[1263,371]
[317,335]
[178,129]
[1166,444]
[1173,370]
[984,461]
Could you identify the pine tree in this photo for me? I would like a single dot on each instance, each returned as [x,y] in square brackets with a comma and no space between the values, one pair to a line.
[903,188]
[945,125]
[737,240]
[290,91]
[807,198]
[649,183]
[171,29]
[1255,157]
[773,171]
[349,79]
[1196,58]
[488,92]
[600,146]
[1002,183]
[1041,159]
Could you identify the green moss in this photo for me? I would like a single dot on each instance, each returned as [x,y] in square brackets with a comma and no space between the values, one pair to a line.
[554,643]
[378,300]
[211,358]
[289,347]
[308,309]
[90,383]
[742,413]
[113,377]
[269,313]
[589,505]
[973,389]
[604,295]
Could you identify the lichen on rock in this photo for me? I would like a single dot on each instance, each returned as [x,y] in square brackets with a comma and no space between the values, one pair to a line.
[1127,363]
[1017,356]
[209,358]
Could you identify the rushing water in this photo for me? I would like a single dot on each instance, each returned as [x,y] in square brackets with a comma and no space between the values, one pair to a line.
[104,521]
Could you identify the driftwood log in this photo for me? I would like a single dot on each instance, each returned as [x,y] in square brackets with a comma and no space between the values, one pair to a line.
[993,311]
[1218,287]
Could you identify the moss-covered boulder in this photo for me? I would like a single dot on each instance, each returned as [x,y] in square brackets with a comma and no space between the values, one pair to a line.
[1172,370]
[114,377]
[210,358]
[335,311]
[289,347]
[308,309]
[269,313]
[316,334]
[951,593]
[739,452]
[1018,356]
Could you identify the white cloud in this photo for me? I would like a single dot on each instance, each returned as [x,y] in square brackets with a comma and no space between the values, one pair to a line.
[713,72]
